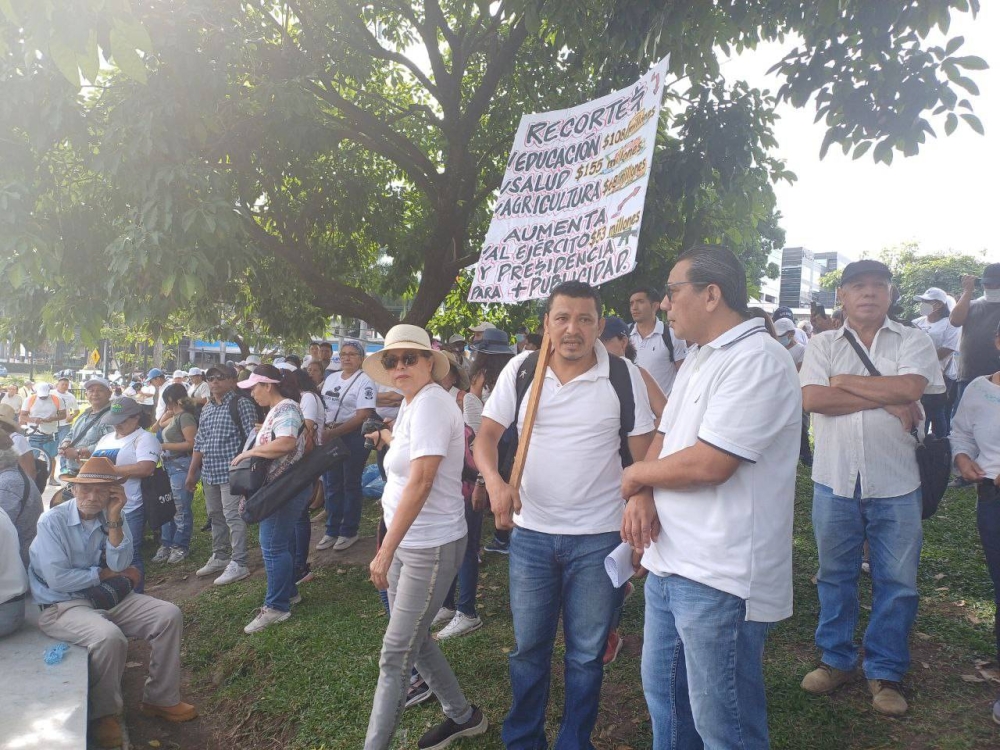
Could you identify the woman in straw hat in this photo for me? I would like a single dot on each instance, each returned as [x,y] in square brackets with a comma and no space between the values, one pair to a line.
[426,538]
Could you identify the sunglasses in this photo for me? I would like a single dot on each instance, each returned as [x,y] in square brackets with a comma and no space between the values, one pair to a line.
[389,361]
[215,378]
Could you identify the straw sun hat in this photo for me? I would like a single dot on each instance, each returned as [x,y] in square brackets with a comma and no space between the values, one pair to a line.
[409,337]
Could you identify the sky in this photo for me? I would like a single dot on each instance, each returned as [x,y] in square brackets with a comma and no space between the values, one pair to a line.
[944,198]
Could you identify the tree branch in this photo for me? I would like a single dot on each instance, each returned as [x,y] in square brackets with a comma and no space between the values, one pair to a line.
[497,66]
[381,52]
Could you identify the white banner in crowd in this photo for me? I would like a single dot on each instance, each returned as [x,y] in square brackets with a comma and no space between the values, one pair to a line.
[571,202]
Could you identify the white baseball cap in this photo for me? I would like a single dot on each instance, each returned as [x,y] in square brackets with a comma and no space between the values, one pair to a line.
[784,326]
[253,359]
[935,294]
[195,371]
[43,389]
[180,374]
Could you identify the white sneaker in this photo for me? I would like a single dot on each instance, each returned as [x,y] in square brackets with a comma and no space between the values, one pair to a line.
[443,616]
[297,599]
[233,572]
[343,542]
[459,625]
[213,566]
[266,617]
[326,542]
[162,554]
[176,555]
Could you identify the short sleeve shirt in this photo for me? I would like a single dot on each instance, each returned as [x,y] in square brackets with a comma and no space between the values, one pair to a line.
[739,394]
[653,355]
[429,425]
[978,354]
[346,396]
[43,408]
[573,471]
[174,432]
[70,404]
[945,336]
[870,443]
[126,451]
[283,420]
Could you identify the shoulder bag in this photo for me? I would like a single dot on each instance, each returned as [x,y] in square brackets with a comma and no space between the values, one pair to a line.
[933,453]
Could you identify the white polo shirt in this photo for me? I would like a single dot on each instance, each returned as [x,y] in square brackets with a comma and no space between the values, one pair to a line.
[573,472]
[945,336]
[870,443]
[740,394]
[653,355]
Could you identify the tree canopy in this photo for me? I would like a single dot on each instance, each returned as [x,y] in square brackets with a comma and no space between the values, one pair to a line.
[280,162]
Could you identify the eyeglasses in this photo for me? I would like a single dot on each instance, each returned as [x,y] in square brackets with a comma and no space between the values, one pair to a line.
[389,361]
[214,378]
[670,288]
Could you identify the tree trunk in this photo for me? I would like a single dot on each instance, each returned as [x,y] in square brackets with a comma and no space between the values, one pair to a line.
[158,353]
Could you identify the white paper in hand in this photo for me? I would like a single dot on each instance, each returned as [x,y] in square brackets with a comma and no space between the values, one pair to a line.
[619,565]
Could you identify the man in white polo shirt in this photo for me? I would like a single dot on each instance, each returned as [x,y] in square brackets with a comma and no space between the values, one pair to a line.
[567,515]
[711,507]
[658,349]
[866,482]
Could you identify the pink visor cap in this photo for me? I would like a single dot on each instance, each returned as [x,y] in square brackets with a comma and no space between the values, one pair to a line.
[254,379]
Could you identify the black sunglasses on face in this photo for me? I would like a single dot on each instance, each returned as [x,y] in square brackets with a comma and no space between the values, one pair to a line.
[214,378]
[390,361]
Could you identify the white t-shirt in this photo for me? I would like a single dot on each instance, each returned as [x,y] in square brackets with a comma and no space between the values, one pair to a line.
[14,402]
[314,410]
[798,352]
[945,336]
[653,355]
[43,408]
[741,395]
[801,337]
[344,397]
[69,404]
[573,471]
[429,425]
[200,391]
[975,428]
[125,451]
[387,412]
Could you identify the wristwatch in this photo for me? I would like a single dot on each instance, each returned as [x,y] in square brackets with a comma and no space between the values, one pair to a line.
[114,524]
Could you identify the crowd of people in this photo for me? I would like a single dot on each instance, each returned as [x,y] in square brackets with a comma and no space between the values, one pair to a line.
[679,437]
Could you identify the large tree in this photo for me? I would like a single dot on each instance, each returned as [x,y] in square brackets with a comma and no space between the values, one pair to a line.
[337,153]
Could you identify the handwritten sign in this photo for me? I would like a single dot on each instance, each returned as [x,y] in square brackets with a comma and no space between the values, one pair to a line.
[571,202]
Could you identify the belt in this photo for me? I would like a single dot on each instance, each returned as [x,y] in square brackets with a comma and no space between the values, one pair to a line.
[17,598]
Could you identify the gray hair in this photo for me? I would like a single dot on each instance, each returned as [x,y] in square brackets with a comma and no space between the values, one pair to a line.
[8,459]
[714,264]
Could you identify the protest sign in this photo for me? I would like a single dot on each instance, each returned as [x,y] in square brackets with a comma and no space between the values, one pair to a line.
[571,201]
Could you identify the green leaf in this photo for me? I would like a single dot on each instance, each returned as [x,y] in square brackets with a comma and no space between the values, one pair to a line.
[126,58]
[15,274]
[65,59]
[968,84]
[954,44]
[971,62]
[974,123]
[90,61]
[950,124]
[861,149]
[168,285]
[134,33]
[531,18]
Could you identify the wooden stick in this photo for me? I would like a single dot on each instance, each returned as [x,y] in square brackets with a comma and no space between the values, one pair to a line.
[534,397]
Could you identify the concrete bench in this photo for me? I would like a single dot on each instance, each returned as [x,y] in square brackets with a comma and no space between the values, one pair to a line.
[43,707]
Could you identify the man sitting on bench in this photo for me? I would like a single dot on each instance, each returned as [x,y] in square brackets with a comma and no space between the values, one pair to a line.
[80,577]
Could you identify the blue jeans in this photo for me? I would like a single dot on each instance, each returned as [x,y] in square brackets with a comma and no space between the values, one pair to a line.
[549,573]
[988,521]
[136,520]
[277,543]
[960,386]
[303,533]
[894,532]
[177,533]
[46,443]
[343,488]
[702,668]
[938,412]
[467,580]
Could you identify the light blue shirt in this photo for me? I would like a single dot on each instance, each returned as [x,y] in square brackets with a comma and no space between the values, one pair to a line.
[65,557]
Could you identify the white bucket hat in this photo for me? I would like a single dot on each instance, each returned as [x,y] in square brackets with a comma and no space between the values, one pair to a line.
[405,337]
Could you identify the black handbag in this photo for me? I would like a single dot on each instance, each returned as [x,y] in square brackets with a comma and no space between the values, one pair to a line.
[158,498]
[933,453]
[270,497]
[247,476]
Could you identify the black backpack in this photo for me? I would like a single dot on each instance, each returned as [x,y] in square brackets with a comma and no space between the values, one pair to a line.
[621,381]
[667,339]
[234,414]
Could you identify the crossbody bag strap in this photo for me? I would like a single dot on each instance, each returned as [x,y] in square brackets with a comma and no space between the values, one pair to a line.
[340,400]
[89,425]
[869,365]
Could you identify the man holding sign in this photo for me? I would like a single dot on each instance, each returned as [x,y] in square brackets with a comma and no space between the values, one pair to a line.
[592,415]
[711,507]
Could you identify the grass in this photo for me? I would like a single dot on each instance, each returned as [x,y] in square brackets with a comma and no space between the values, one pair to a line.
[309,683]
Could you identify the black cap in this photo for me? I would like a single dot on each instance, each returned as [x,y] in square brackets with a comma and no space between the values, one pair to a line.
[224,370]
[991,275]
[862,267]
[613,328]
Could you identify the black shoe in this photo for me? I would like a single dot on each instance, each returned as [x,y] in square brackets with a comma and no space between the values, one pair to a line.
[444,733]
[418,693]
[207,526]
[497,547]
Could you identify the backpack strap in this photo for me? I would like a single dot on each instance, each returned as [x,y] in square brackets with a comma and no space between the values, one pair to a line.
[234,414]
[621,381]
[669,341]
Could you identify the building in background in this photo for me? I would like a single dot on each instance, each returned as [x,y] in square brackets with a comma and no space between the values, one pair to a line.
[800,276]
[827,262]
